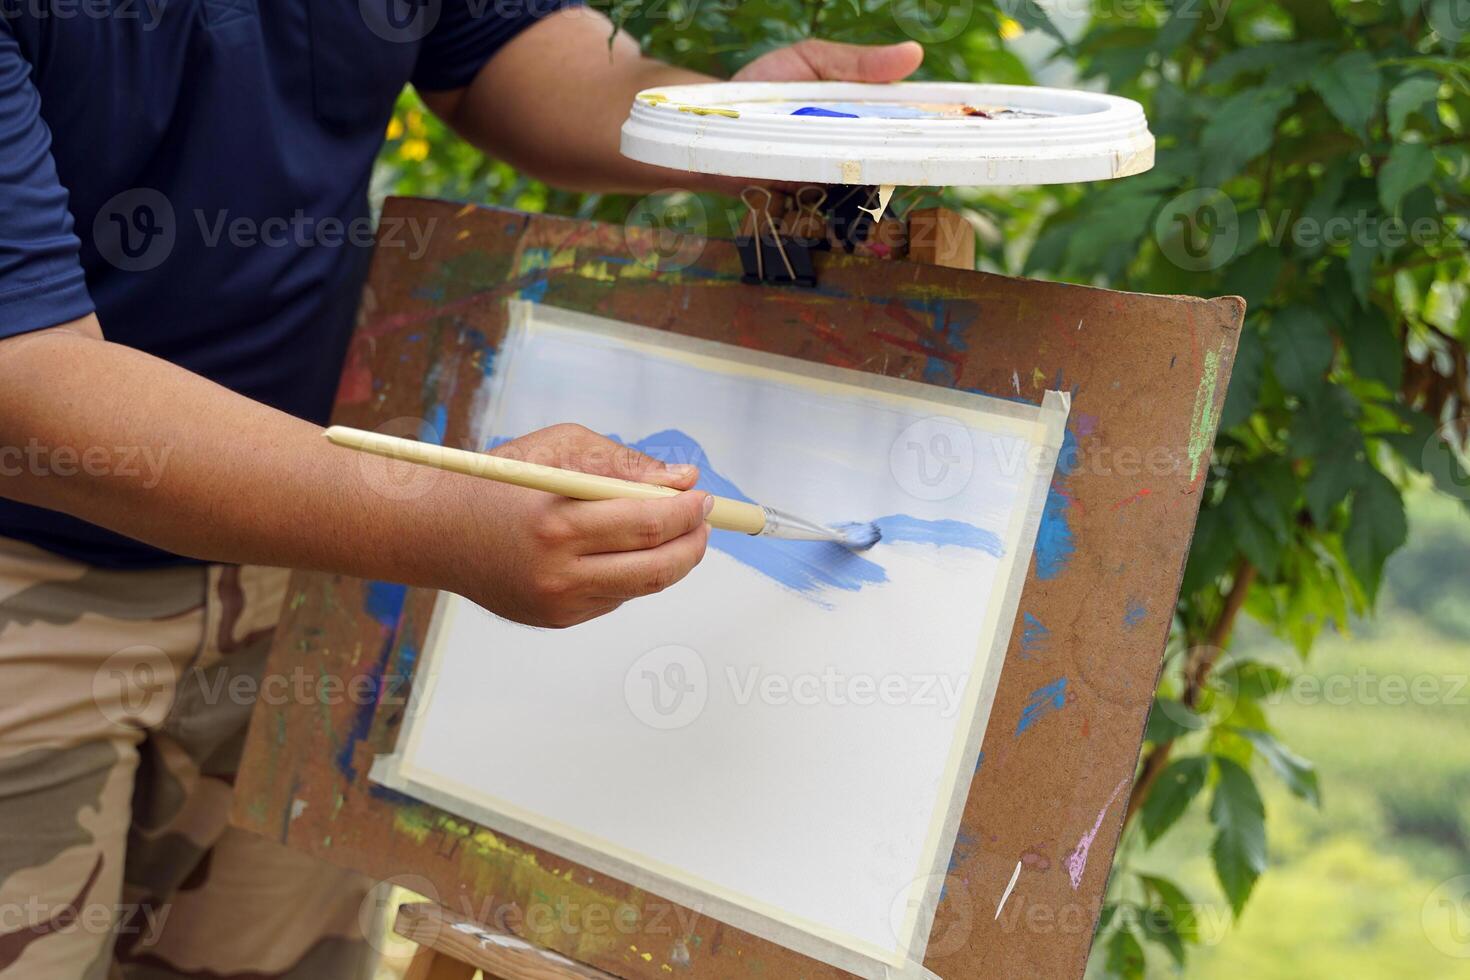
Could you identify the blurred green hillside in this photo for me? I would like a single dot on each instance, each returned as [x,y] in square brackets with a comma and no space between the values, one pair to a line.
[1385,715]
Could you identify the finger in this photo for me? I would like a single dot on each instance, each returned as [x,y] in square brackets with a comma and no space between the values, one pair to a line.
[631,574]
[837,62]
[606,526]
[576,447]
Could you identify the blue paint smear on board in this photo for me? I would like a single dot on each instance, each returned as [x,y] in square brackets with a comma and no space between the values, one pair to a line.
[385,604]
[1054,541]
[1034,635]
[1042,702]
[1134,614]
[809,567]
[535,292]
[432,428]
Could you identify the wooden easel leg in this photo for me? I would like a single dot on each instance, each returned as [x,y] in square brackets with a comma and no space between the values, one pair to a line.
[430,964]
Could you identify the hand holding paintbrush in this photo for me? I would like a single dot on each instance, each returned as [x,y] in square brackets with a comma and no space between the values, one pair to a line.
[726,514]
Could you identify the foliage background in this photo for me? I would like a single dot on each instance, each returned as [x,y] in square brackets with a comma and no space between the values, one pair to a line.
[1313,158]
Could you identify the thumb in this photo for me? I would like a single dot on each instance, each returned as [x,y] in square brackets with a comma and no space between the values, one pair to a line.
[833,61]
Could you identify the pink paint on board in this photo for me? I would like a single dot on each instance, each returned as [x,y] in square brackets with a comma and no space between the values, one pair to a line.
[1076,862]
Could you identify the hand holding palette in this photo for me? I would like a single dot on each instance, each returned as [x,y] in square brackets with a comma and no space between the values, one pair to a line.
[907,133]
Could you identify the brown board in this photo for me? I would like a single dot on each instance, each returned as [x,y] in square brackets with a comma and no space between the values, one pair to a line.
[1147,375]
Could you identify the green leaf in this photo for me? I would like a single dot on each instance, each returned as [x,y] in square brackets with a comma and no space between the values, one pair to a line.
[1333,477]
[1377,529]
[1211,550]
[1372,347]
[1261,57]
[1325,420]
[1239,817]
[1449,20]
[1407,98]
[1424,448]
[1177,785]
[1255,540]
[1253,276]
[1409,165]
[1170,719]
[1170,897]
[1245,379]
[1349,85]
[1125,956]
[1299,775]
[1301,349]
[1030,15]
[1241,130]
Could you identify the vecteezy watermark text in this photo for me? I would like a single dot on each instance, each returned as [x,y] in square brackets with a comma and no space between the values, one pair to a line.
[145,463]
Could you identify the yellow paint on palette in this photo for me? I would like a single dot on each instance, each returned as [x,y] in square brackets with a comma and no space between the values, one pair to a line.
[704,110]
[1038,379]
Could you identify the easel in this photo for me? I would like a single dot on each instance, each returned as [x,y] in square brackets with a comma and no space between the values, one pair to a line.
[454,948]
[1148,376]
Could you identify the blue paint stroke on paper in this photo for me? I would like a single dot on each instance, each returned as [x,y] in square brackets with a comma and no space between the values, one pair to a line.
[1034,636]
[810,567]
[1042,702]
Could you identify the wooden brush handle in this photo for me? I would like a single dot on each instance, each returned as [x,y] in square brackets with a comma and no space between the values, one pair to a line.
[728,515]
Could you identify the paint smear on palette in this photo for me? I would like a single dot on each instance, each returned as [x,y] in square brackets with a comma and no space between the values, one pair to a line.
[811,567]
[1134,614]
[1042,702]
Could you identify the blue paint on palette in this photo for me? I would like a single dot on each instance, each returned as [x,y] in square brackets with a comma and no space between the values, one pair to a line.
[1042,702]
[814,110]
[535,291]
[811,567]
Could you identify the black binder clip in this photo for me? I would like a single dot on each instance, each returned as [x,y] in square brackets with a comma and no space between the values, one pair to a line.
[768,256]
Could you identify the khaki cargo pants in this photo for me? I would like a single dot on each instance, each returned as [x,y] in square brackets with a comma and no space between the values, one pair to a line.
[119,738]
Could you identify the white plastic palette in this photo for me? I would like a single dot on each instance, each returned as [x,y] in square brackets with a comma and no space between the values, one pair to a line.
[937,134]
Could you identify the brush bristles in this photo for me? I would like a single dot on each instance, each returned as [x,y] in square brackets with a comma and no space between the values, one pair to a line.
[859,537]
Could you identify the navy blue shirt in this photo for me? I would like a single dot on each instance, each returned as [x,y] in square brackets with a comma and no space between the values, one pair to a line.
[196,172]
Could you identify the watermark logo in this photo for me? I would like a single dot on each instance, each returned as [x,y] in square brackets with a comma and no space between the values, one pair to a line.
[1198,230]
[667,687]
[400,21]
[932,21]
[933,459]
[919,902]
[398,479]
[667,231]
[1446,459]
[134,686]
[135,229]
[1445,917]
[380,904]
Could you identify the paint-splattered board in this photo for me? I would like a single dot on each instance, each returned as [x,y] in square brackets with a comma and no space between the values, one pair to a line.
[1148,377]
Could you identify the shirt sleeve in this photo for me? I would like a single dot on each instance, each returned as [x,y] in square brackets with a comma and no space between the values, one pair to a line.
[41,278]
[468,33]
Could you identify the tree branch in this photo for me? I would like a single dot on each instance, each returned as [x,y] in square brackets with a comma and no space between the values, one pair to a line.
[1196,674]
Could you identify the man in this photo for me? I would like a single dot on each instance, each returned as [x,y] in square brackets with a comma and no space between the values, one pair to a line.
[161,391]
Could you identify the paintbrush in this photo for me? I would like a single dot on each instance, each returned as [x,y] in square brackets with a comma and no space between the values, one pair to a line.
[727,514]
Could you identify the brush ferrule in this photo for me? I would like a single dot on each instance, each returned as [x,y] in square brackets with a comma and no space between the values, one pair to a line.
[780,524]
